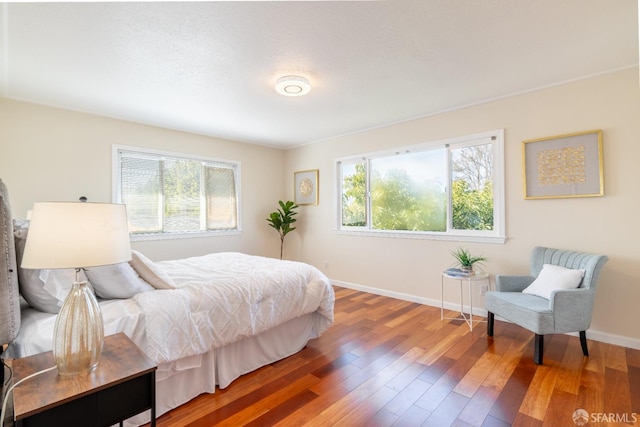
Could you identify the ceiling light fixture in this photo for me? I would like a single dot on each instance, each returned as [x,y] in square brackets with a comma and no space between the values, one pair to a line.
[293,86]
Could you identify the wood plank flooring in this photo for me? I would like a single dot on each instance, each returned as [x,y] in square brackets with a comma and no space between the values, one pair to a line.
[387,362]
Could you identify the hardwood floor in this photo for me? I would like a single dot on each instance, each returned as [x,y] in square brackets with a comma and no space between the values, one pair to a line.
[390,362]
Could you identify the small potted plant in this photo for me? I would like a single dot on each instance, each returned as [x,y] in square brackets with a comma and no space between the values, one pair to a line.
[466,261]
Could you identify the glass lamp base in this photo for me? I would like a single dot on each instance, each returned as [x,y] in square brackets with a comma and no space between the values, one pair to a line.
[78,335]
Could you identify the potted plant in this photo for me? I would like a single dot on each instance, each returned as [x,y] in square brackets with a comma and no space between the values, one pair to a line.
[466,261]
[282,219]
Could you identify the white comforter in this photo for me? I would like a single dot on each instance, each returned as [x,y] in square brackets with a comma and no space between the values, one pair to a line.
[224,297]
[221,298]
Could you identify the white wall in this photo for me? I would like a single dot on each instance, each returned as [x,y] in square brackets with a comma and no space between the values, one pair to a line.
[607,225]
[50,154]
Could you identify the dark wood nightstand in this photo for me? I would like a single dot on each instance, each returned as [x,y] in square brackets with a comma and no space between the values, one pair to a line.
[121,386]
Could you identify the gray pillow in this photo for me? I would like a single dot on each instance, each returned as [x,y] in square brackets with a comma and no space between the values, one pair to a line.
[44,290]
[116,281]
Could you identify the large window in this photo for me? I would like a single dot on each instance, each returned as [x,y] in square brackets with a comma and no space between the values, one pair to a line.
[449,189]
[170,195]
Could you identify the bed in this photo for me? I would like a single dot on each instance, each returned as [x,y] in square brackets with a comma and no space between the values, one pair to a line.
[204,320]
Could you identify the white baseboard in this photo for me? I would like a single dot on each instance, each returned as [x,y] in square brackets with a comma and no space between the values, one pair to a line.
[477,311]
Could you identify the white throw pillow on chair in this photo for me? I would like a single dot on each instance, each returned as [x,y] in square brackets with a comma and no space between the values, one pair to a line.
[553,278]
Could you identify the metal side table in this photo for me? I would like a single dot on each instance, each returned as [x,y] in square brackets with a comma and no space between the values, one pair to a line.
[477,278]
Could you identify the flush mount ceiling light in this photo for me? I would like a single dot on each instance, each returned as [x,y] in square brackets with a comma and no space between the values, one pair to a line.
[293,86]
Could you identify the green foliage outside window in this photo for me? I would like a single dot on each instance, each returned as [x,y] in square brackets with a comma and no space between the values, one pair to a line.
[398,202]
[354,186]
[472,209]
[177,195]
[472,188]
[182,195]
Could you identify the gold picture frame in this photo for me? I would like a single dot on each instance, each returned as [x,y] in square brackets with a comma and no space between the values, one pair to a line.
[305,187]
[562,166]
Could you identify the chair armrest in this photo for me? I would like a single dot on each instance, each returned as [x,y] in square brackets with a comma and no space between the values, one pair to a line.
[507,283]
[570,298]
[572,309]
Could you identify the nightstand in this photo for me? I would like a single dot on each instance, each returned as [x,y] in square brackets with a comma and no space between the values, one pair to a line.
[121,386]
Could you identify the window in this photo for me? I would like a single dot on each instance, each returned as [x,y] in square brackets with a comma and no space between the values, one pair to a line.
[170,195]
[449,189]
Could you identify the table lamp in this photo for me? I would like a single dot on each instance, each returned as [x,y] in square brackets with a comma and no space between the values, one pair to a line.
[77,235]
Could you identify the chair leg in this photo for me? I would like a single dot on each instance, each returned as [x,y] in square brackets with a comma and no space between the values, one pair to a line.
[583,343]
[539,349]
[490,324]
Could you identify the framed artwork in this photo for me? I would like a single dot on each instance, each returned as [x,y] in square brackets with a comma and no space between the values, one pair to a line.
[563,166]
[306,187]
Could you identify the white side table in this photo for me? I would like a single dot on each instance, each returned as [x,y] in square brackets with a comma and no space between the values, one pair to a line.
[477,277]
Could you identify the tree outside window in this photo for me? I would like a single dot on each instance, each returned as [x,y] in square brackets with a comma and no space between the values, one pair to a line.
[439,188]
[472,188]
[170,195]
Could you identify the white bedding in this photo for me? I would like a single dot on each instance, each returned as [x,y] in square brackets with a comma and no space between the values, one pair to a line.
[36,329]
[230,314]
[221,298]
[225,297]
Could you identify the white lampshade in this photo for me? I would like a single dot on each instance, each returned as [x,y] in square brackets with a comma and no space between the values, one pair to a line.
[76,235]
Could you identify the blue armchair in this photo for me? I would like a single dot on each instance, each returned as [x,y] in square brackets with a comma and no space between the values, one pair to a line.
[566,310]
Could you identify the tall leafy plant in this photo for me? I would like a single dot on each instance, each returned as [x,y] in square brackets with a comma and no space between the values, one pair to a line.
[282,219]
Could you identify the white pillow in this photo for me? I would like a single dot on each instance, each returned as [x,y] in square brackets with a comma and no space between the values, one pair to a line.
[116,281]
[58,283]
[44,290]
[552,278]
[150,272]
[32,289]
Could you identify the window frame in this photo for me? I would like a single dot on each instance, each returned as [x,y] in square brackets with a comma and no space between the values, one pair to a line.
[116,192]
[497,235]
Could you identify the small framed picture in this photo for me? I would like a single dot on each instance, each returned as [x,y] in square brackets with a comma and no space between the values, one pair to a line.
[563,166]
[306,187]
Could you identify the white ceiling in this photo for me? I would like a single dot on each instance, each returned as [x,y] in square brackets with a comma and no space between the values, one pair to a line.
[210,67]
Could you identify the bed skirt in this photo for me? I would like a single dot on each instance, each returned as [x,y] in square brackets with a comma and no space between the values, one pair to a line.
[179,382]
